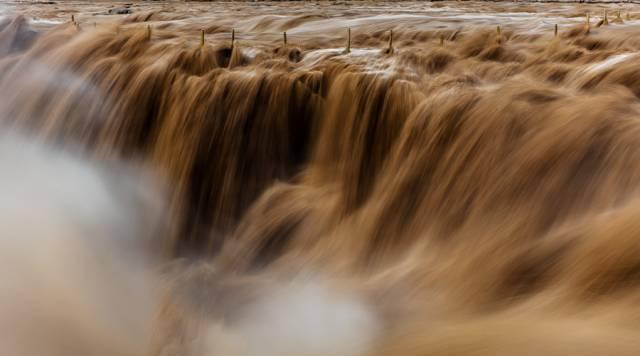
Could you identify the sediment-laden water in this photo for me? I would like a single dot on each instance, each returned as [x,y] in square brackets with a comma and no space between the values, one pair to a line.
[394,179]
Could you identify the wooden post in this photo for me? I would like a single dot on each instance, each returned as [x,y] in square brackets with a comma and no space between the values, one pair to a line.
[605,21]
[149,32]
[498,31]
[441,40]
[201,38]
[284,36]
[588,25]
[233,37]
[390,41]
[73,19]
[348,49]
[555,30]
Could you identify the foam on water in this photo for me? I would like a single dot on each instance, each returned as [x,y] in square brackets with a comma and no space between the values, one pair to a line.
[610,62]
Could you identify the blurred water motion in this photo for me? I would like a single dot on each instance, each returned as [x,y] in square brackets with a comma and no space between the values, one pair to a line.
[467,187]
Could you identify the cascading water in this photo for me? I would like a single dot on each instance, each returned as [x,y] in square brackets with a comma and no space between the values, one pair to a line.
[470,192]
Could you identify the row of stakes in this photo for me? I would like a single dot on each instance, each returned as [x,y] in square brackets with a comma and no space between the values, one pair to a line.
[284,39]
[604,21]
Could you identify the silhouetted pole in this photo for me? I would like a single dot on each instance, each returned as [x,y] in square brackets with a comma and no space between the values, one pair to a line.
[348,49]
[233,37]
[588,25]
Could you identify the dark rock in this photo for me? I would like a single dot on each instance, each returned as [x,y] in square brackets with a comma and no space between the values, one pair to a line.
[119,11]
[16,36]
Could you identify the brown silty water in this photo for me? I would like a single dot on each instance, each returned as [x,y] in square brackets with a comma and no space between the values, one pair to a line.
[466,171]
